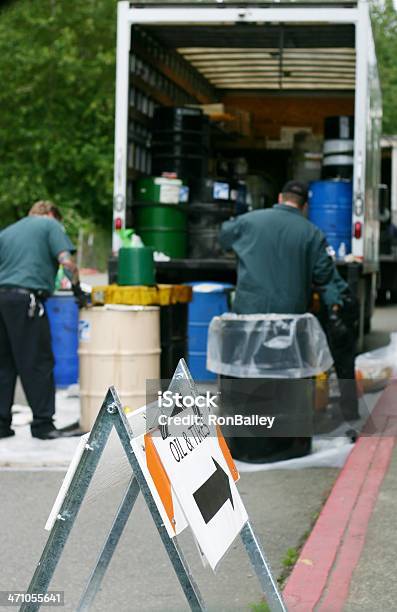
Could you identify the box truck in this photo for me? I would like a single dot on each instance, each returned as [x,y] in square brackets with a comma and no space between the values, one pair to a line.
[269,75]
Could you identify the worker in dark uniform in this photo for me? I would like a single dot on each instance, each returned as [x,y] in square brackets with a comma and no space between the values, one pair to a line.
[30,253]
[280,256]
[341,326]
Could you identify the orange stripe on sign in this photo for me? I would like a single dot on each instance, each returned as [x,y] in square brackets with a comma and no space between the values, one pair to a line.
[226,453]
[160,478]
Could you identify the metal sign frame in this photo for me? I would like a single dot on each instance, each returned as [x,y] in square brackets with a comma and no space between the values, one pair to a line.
[112,415]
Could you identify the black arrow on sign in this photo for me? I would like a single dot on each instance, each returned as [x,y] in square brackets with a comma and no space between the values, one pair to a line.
[215,492]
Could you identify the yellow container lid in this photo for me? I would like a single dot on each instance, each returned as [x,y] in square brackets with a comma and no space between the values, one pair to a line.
[160,295]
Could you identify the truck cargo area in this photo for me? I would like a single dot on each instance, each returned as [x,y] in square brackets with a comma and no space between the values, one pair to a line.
[267,77]
[269,88]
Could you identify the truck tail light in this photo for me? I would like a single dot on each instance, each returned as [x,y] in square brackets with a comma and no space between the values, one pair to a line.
[358,230]
[118,223]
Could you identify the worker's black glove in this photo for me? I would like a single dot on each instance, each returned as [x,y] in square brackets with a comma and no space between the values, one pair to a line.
[338,330]
[82,298]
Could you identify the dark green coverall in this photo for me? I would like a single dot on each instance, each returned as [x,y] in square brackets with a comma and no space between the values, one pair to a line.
[342,340]
[281,255]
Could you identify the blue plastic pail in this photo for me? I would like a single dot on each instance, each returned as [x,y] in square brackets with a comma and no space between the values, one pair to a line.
[63,315]
[209,300]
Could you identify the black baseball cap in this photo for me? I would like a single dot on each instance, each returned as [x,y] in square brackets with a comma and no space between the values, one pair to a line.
[296,187]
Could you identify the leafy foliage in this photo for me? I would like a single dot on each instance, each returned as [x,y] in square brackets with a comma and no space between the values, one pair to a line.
[384,19]
[57,106]
[57,58]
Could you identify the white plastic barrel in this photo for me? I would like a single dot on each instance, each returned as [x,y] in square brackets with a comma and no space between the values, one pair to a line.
[120,346]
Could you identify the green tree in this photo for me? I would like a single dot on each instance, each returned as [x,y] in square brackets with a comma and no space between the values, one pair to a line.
[384,19]
[57,61]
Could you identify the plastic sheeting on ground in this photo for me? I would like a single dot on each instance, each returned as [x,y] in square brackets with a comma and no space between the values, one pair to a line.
[326,453]
[23,451]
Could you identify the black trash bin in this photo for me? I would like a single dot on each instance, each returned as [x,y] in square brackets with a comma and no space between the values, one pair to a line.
[289,402]
[266,366]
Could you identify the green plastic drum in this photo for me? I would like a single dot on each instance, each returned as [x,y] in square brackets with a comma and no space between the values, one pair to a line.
[136,266]
[164,227]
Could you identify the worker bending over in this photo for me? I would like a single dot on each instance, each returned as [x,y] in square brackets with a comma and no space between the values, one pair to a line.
[281,255]
[30,253]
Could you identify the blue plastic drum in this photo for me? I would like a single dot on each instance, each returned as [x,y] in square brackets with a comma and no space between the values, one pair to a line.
[63,315]
[330,208]
[209,300]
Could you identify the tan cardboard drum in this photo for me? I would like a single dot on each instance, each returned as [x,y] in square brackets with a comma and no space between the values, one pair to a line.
[120,346]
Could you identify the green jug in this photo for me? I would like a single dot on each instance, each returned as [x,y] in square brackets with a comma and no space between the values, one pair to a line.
[136,266]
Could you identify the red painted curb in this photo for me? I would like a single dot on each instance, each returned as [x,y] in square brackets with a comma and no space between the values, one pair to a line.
[337,589]
[323,572]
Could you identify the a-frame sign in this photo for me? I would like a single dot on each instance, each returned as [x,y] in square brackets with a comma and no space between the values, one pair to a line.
[201,510]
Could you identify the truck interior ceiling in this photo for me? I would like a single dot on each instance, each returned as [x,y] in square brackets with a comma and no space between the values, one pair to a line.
[267,89]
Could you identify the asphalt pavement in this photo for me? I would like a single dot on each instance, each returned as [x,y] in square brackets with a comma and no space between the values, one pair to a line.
[282,506]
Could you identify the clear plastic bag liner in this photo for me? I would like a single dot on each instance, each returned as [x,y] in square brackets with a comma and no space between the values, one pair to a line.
[267,346]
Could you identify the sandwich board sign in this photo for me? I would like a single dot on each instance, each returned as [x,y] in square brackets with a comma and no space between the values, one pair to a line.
[198,490]
[174,522]
[202,475]
[163,494]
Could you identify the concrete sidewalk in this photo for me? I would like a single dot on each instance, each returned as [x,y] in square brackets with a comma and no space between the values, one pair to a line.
[346,562]
[374,584]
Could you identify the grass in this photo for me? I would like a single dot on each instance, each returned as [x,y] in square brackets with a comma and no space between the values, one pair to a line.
[290,558]
[260,607]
